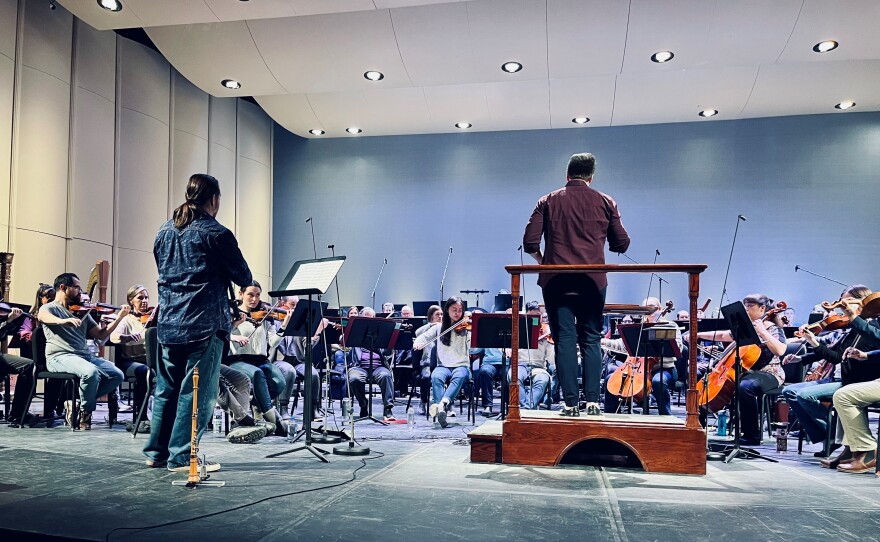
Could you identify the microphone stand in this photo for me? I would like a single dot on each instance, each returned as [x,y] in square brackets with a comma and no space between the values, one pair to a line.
[373,295]
[739,218]
[325,437]
[805,270]
[443,280]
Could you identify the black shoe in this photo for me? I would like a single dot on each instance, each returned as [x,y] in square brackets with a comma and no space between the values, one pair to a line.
[364,413]
[593,410]
[247,421]
[387,413]
[570,412]
[821,453]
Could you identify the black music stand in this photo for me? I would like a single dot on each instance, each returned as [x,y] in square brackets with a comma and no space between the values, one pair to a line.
[420,308]
[308,277]
[490,330]
[743,333]
[505,301]
[657,340]
[374,335]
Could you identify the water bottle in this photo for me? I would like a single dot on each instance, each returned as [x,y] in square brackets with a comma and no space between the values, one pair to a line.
[217,421]
[291,427]
[411,419]
[722,423]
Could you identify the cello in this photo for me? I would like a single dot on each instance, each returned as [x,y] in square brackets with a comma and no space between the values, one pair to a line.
[628,380]
[716,389]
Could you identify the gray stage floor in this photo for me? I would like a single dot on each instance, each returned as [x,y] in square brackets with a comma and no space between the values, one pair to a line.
[415,485]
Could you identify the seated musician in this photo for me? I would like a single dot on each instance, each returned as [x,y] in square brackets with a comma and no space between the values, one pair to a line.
[851,402]
[765,374]
[131,355]
[388,308]
[250,341]
[66,350]
[52,387]
[453,357]
[234,396]
[533,364]
[17,365]
[423,375]
[295,353]
[665,369]
[367,364]
[806,399]
[403,370]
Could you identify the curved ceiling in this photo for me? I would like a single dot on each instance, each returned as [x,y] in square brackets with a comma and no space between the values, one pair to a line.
[304,60]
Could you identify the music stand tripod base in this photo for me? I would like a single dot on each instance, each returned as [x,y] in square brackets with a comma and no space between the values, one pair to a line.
[326,439]
[201,483]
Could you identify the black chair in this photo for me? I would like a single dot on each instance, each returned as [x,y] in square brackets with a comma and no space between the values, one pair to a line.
[151,342]
[70,381]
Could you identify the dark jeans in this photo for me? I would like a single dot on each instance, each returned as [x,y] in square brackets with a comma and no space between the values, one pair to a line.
[24,368]
[574,308]
[170,434]
[357,379]
[134,369]
[752,388]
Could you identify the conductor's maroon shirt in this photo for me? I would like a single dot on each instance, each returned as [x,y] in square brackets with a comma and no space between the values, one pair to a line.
[575,222]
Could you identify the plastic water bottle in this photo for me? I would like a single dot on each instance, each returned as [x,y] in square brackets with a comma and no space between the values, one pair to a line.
[291,427]
[217,421]
[411,419]
[722,423]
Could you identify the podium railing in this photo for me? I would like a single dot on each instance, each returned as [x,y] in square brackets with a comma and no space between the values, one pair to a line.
[693,271]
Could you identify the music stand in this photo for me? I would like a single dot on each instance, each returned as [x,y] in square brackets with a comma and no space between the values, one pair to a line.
[491,330]
[308,277]
[420,308]
[649,339]
[374,335]
[743,333]
[505,301]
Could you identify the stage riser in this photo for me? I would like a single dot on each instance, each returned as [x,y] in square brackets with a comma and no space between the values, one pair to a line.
[668,449]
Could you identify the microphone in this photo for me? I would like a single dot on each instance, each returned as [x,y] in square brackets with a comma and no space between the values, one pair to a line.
[657,252]
[796,268]
[450,250]
[741,217]
[309,219]
[520,248]
[331,246]
[386,260]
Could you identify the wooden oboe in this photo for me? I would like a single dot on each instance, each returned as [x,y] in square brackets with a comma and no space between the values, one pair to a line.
[194,477]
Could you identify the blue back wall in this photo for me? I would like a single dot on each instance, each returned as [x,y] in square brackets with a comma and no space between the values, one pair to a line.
[808,186]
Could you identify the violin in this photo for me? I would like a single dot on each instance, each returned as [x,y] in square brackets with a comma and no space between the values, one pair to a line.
[781,306]
[274,314]
[669,308]
[6,310]
[100,308]
[149,317]
[832,322]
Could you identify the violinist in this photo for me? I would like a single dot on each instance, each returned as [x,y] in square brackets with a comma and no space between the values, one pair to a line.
[806,398]
[533,364]
[851,402]
[66,350]
[295,353]
[665,369]
[765,374]
[131,353]
[367,364]
[52,388]
[250,342]
[452,338]
[423,376]
[17,365]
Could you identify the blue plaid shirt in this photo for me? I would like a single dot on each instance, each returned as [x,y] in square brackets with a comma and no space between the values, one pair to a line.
[196,266]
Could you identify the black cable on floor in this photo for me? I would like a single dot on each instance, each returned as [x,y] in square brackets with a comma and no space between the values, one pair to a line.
[246,505]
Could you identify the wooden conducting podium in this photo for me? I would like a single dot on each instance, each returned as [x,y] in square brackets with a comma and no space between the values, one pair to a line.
[533,437]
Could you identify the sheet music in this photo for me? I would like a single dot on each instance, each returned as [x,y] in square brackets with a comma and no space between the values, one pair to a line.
[314,275]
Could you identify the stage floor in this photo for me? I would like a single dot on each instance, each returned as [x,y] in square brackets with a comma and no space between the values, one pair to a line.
[415,485]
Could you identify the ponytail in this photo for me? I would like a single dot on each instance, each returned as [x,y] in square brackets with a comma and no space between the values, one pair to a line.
[199,191]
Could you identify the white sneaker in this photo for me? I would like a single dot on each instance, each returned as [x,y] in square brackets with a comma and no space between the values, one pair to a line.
[433,410]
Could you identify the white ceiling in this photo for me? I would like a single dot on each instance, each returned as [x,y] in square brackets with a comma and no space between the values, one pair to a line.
[303,60]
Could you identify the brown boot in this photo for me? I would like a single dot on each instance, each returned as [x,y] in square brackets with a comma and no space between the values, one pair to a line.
[833,462]
[85,420]
[861,462]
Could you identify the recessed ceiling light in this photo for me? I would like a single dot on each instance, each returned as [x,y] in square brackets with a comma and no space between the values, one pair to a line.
[353,130]
[313,131]
[511,67]
[662,56]
[708,112]
[845,105]
[825,46]
[110,5]
[463,125]
[231,84]
[373,75]
[580,120]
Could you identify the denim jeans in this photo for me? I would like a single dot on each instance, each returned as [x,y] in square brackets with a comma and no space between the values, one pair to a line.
[170,434]
[289,374]
[357,379]
[267,379]
[485,380]
[97,376]
[804,399]
[234,392]
[456,377]
[576,320]
[531,396]
[752,387]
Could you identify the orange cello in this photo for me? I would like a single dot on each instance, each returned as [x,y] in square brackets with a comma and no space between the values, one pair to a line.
[717,388]
[628,380]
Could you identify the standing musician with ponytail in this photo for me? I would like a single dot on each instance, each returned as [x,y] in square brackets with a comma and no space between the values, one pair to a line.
[453,356]
[197,259]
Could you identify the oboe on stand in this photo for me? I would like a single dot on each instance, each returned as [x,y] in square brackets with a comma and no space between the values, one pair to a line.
[196,478]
